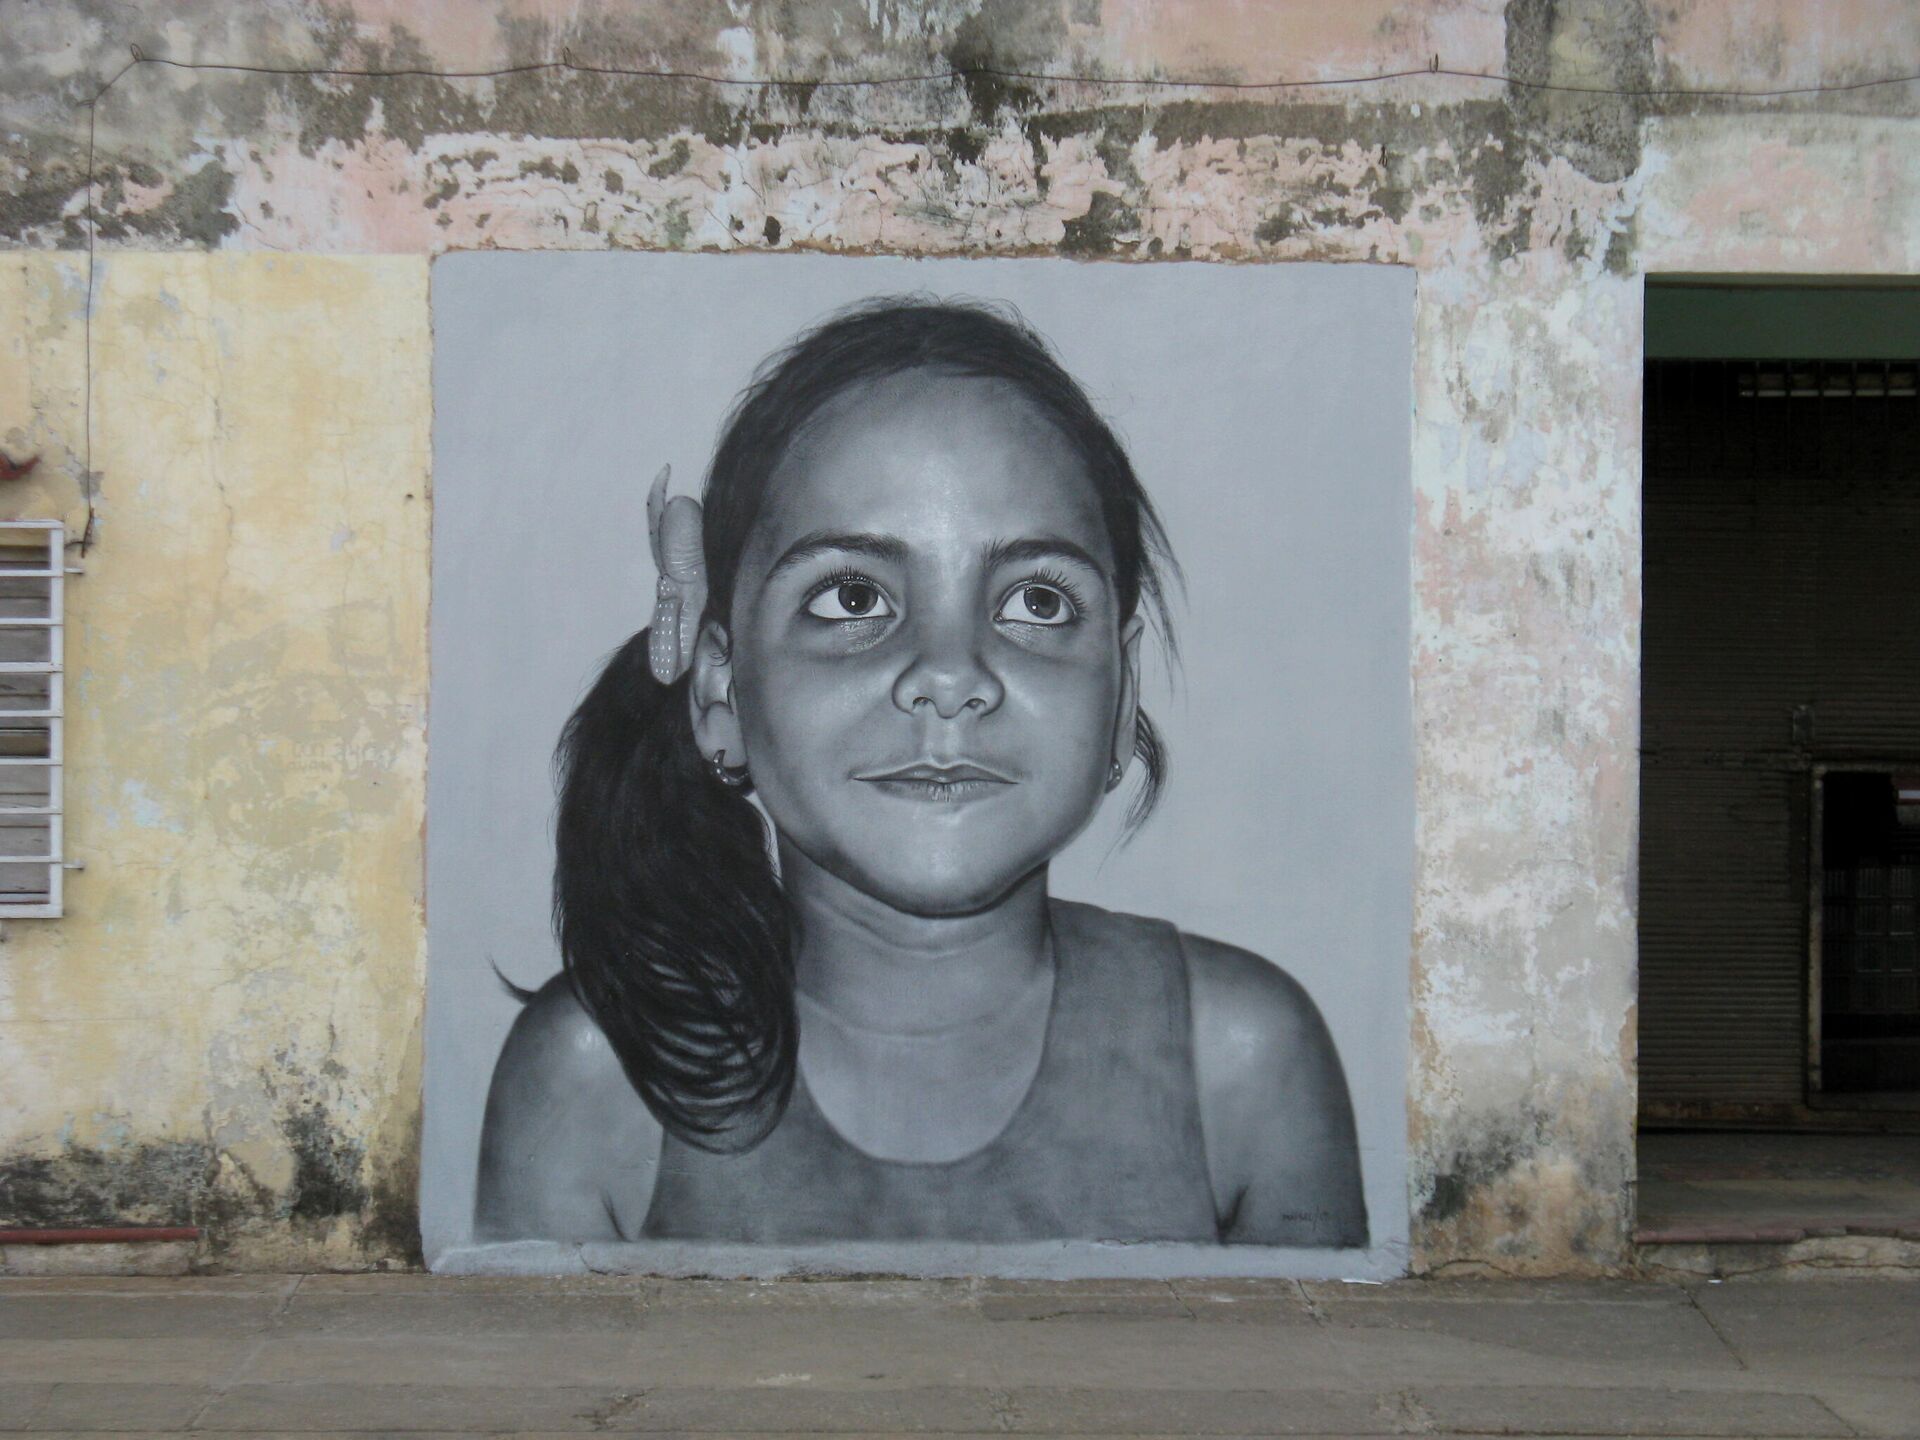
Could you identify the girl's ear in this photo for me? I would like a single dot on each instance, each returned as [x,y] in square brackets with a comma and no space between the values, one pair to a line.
[1127,713]
[716,727]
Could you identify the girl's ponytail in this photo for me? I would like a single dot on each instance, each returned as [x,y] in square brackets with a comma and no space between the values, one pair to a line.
[673,930]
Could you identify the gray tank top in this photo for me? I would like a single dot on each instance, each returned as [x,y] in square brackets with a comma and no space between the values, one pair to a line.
[1106,1145]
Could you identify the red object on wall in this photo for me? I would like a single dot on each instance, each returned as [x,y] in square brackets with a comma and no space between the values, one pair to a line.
[101,1235]
[11,471]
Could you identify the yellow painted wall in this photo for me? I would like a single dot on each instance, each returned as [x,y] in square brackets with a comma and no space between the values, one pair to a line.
[224,1028]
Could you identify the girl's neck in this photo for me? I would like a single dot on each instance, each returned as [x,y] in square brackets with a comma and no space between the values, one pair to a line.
[883,970]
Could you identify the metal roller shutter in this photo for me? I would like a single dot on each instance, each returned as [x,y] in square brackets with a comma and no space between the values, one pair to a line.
[1782,629]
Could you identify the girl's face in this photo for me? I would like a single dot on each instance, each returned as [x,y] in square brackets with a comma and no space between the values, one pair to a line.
[929,674]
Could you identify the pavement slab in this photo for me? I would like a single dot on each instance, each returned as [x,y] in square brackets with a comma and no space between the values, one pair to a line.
[1441,1335]
[115,1405]
[1626,1410]
[1827,1329]
[131,1317]
[399,1355]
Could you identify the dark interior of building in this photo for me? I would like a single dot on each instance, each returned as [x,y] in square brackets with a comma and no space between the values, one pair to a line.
[1780,775]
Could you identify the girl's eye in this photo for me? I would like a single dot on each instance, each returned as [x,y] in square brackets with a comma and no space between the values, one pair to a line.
[1036,605]
[850,600]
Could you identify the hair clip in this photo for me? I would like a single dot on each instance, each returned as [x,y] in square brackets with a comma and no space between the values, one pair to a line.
[680,596]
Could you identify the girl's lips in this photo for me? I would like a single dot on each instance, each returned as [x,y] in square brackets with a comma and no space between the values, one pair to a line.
[927,771]
[944,784]
[942,791]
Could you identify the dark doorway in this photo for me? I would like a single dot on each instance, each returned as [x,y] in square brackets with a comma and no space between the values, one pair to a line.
[1780,698]
[1780,730]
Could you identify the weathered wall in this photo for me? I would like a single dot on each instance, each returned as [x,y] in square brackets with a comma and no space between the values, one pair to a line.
[1531,218]
[224,1029]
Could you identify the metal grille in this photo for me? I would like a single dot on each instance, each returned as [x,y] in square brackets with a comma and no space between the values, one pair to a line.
[1869,948]
[1859,379]
[32,696]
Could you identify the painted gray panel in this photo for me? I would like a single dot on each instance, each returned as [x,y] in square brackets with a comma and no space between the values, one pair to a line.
[1267,410]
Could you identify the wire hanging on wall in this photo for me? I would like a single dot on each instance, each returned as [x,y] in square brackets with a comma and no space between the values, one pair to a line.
[963,73]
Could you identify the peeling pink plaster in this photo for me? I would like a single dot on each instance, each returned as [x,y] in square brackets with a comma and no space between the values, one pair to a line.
[1784,195]
[1254,39]
[1763,44]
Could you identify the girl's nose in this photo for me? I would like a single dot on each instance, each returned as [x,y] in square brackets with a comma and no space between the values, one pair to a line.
[949,674]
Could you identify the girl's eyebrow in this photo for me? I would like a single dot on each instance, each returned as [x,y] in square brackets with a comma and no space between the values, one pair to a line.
[1043,547]
[893,550]
[821,542]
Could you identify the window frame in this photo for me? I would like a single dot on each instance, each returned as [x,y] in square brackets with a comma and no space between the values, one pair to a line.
[50,537]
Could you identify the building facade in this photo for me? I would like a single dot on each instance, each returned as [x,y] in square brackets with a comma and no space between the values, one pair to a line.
[221,231]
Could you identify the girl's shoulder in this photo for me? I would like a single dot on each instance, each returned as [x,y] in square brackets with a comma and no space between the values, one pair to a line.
[1282,1156]
[563,1125]
[555,1045]
[1273,1101]
[1254,1025]
[1245,1003]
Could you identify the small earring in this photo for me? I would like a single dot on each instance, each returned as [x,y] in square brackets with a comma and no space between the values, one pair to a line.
[733,777]
[1116,772]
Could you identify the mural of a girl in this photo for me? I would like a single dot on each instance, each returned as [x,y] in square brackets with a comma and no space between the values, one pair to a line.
[902,629]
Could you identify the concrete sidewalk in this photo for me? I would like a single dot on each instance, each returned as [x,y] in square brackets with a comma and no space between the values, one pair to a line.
[415,1354]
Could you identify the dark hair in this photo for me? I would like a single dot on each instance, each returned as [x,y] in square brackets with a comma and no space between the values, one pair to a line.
[672,925]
